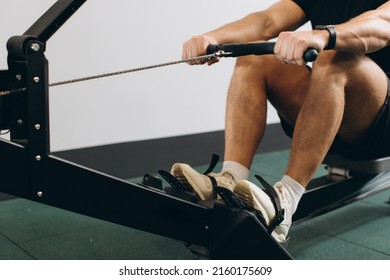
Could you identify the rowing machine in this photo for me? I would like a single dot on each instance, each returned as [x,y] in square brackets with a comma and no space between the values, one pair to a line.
[29,170]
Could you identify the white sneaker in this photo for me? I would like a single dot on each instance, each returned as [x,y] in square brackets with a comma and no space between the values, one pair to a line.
[254,197]
[203,185]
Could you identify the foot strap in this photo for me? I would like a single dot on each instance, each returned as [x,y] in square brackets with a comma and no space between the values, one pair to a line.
[174,182]
[230,198]
[213,163]
[279,216]
[233,201]
[178,185]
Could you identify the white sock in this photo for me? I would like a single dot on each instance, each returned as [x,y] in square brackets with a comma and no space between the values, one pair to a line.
[237,170]
[295,190]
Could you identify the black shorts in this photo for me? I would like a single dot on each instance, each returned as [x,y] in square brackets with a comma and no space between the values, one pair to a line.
[375,143]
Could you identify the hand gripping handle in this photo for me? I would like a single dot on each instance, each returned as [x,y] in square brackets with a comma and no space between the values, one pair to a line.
[234,50]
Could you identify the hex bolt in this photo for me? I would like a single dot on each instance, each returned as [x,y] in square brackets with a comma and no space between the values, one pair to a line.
[36,79]
[35,47]
[40,194]
[37,126]
[19,121]
[38,158]
[18,77]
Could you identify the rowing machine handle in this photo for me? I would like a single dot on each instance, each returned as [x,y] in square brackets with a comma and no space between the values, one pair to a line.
[234,50]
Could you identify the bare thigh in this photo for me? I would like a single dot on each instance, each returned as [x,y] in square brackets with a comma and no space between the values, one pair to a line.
[365,93]
[365,89]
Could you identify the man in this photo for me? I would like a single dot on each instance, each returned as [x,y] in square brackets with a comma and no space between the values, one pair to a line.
[341,104]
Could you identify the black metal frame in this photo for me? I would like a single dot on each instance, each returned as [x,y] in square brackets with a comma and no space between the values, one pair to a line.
[30,171]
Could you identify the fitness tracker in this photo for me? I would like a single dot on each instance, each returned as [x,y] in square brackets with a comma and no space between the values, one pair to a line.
[332,35]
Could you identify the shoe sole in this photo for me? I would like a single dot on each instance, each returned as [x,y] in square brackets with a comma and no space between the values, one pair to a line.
[188,182]
[245,192]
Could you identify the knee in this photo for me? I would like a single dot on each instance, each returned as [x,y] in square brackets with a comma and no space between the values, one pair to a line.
[255,69]
[254,65]
[334,65]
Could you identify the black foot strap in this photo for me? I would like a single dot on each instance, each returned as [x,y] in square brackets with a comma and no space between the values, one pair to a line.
[174,182]
[213,163]
[233,201]
[177,185]
[279,217]
[230,198]
[214,184]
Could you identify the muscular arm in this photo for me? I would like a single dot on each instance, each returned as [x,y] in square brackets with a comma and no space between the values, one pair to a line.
[259,26]
[365,33]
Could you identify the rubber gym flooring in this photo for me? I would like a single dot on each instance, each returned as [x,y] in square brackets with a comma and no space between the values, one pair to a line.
[28,230]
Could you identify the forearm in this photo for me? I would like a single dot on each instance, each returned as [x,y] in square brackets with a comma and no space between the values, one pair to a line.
[261,26]
[254,27]
[366,33]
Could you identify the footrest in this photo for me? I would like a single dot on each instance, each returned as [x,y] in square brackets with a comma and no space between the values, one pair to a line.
[243,237]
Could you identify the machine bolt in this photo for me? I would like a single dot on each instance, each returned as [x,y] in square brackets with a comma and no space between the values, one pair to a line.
[35,47]
[19,121]
[37,126]
[38,158]
[18,77]
[39,194]
[36,79]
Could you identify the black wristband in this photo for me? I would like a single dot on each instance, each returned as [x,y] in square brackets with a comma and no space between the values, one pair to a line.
[332,35]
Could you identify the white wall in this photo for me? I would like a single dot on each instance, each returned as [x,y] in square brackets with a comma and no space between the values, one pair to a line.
[105,36]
